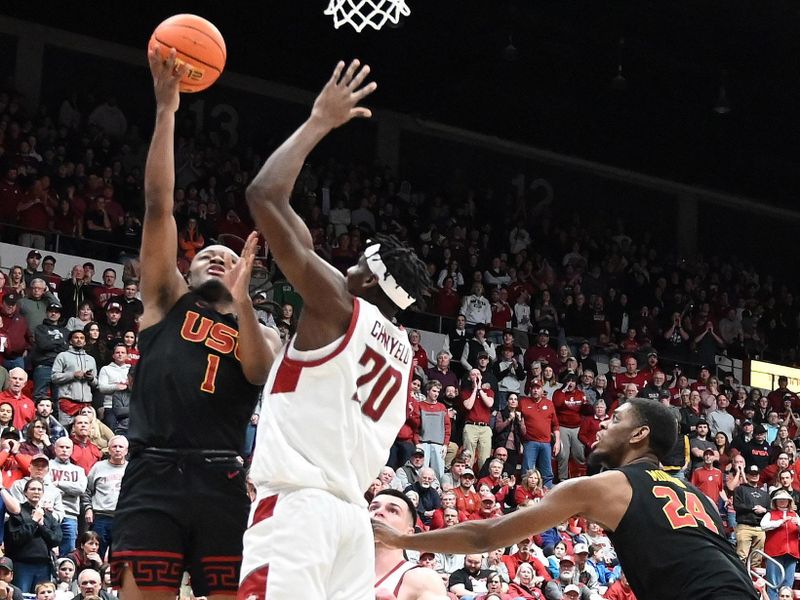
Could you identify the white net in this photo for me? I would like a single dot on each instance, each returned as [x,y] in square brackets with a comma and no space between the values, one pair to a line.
[360,13]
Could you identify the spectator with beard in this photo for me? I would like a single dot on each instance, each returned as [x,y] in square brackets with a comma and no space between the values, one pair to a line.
[429,499]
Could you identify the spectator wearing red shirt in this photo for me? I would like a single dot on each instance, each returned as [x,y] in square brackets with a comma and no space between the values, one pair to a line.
[467,499]
[499,483]
[701,385]
[403,446]
[446,300]
[620,590]
[782,526]
[631,375]
[13,464]
[51,279]
[487,509]
[103,294]
[524,555]
[477,398]
[10,195]
[501,311]
[777,396]
[709,480]
[541,352]
[33,215]
[541,424]
[590,426]
[84,453]
[530,489]
[571,406]
[417,350]
[15,337]
[24,407]
[448,502]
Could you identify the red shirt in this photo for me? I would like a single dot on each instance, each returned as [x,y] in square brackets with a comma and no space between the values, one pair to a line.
[24,409]
[501,315]
[522,494]
[590,425]
[570,407]
[541,353]
[479,413]
[14,467]
[640,379]
[616,591]
[446,303]
[784,538]
[513,561]
[33,217]
[540,419]
[466,502]
[85,455]
[709,481]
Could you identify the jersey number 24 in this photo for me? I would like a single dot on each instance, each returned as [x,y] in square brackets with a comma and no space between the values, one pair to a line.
[683,512]
[385,382]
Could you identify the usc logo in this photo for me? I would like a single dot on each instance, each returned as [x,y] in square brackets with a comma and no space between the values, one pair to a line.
[216,336]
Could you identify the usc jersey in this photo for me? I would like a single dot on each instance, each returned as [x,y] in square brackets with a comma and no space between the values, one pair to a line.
[329,416]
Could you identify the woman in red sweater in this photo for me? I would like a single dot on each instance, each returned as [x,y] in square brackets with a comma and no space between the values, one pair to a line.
[782,525]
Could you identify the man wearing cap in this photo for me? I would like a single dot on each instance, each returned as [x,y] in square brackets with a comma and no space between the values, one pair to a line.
[541,425]
[751,503]
[34,307]
[24,408]
[585,573]
[6,577]
[541,351]
[708,479]
[467,499]
[569,579]
[395,577]
[701,385]
[652,365]
[15,336]
[51,279]
[699,443]
[107,291]
[51,498]
[756,451]
[409,472]
[31,269]
[487,509]
[429,499]
[111,327]
[75,374]
[88,276]
[571,406]
[49,340]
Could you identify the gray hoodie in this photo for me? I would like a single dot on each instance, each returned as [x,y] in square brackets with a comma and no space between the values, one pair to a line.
[64,368]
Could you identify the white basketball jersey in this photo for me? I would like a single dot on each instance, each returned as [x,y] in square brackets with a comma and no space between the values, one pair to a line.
[329,416]
[394,578]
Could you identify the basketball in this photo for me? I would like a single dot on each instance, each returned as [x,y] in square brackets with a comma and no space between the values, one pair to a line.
[198,42]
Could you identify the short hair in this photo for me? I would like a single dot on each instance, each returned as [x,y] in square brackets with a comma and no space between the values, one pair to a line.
[405,266]
[433,383]
[662,424]
[412,512]
[31,481]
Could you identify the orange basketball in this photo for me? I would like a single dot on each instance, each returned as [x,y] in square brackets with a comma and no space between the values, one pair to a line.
[198,42]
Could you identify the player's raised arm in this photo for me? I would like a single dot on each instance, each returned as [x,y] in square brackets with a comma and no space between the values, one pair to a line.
[268,196]
[161,283]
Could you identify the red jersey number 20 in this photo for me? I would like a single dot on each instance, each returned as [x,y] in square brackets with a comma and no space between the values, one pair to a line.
[380,381]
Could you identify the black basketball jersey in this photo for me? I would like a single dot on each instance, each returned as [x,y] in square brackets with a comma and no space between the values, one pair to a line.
[671,542]
[190,391]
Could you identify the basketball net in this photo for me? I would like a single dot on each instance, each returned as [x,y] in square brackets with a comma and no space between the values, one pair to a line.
[360,13]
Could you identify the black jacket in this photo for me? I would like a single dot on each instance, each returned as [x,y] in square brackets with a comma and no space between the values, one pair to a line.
[49,339]
[28,541]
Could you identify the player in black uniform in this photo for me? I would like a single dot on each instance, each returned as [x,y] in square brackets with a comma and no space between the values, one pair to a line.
[183,504]
[667,534]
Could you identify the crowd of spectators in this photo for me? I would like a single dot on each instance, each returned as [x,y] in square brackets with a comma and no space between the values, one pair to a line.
[535,303]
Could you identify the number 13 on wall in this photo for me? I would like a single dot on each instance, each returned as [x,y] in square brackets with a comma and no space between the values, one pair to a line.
[387,383]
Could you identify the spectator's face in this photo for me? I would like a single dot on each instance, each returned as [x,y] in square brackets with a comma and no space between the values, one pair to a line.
[433,393]
[66,571]
[37,290]
[78,340]
[129,338]
[63,448]
[88,272]
[443,361]
[427,561]
[448,501]
[467,480]
[130,291]
[54,315]
[33,263]
[18,380]
[786,479]
[89,583]
[120,355]
[81,426]
[450,517]
[417,460]
[702,430]
[461,322]
[6,413]
[34,493]
[48,266]
[426,478]
[630,364]
[118,449]
[472,562]
[495,470]
[39,468]
[113,316]
[659,378]
[44,408]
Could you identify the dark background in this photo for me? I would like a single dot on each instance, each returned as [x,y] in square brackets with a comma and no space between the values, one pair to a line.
[447,63]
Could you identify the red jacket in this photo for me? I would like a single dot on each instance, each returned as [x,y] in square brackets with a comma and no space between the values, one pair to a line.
[14,467]
[784,538]
[616,591]
[587,434]
[513,561]
[85,455]
[540,419]
[24,409]
[17,337]
[570,407]
[411,427]
[521,494]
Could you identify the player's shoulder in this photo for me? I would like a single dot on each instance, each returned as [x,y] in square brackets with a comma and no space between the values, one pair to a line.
[421,582]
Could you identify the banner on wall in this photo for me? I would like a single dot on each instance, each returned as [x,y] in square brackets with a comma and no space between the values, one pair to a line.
[765,375]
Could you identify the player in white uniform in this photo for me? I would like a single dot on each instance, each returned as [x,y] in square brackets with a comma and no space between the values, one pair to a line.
[335,399]
[395,577]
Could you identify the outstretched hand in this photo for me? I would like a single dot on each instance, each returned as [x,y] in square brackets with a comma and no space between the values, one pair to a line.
[237,277]
[167,76]
[337,102]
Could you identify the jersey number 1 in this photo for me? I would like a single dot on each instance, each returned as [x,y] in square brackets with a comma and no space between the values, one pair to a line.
[683,513]
[387,383]
[210,380]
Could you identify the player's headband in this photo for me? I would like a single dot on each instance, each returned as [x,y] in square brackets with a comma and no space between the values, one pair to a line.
[388,283]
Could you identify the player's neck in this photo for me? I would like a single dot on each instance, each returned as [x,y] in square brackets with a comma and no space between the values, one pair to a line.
[386,560]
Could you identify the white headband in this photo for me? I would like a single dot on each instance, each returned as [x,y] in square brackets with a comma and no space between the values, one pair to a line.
[388,283]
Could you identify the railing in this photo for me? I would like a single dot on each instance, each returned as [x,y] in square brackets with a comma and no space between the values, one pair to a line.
[756,575]
[58,242]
